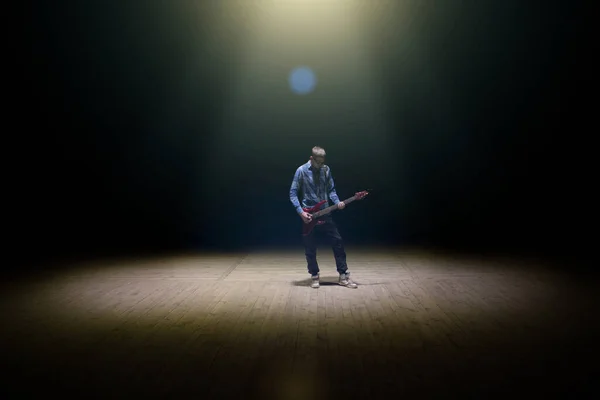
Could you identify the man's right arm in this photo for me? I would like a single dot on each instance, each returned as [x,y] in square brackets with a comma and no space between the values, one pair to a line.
[294,192]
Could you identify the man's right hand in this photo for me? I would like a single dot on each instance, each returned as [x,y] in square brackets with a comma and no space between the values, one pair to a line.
[306,217]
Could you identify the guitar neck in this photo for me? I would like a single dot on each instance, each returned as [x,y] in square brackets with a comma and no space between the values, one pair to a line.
[327,210]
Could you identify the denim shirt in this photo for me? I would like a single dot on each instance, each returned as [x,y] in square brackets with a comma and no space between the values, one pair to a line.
[311,192]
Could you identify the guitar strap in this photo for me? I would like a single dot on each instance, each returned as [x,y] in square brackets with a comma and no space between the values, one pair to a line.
[322,186]
[326,180]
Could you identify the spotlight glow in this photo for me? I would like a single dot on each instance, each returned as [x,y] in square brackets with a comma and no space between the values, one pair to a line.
[302,80]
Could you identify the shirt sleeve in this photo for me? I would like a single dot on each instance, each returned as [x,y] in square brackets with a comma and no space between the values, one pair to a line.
[331,188]
[294,192]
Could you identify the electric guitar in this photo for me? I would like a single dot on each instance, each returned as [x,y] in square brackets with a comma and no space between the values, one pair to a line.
[315,213]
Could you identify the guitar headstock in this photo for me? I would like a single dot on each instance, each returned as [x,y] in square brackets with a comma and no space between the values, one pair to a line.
[361,195]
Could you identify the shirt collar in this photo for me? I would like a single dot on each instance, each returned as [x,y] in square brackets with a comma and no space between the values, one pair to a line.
[310,167]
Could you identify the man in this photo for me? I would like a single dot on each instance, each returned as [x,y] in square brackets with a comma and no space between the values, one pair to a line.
[315,183]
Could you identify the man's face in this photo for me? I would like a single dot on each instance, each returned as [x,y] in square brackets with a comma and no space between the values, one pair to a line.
[317,162]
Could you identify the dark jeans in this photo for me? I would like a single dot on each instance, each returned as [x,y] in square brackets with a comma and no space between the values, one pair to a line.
[329,231]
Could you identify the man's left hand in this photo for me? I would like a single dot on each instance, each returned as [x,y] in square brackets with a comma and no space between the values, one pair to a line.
[341,205]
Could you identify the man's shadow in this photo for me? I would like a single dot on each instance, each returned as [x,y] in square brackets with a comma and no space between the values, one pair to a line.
[322,281]
[332,281]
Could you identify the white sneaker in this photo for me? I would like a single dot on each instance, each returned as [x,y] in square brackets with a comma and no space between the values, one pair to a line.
[315,281]
[346,281]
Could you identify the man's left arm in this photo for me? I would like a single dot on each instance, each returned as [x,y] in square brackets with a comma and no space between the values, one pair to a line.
[331,188]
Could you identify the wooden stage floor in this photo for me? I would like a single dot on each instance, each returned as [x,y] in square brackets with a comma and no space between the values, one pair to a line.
[248,325]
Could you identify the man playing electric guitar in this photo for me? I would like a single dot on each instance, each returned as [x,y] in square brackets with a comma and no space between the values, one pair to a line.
[315,183]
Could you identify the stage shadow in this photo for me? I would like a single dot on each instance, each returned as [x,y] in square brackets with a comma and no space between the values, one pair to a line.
[332,281]
[324,281]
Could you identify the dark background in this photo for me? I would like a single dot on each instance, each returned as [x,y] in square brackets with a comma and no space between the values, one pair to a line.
[485,110]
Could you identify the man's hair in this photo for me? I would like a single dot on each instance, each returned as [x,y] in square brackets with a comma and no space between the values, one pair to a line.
[318,151]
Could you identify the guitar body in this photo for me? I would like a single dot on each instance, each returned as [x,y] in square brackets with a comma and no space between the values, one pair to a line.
[316,212]
[307,228]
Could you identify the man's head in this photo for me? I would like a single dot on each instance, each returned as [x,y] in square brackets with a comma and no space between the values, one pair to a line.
[317,159]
